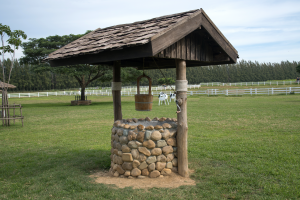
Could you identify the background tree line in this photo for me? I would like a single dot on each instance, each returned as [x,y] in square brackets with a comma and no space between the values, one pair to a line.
[26,79]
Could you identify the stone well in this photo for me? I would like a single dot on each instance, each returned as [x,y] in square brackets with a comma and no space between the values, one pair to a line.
[143,147]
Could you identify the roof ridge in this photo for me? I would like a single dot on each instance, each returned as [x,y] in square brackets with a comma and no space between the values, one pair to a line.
[156,18]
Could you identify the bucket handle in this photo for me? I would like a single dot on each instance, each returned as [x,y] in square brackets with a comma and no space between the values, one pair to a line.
[138,83]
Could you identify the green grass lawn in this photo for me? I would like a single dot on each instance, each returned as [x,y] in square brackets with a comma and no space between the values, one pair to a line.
[239,148]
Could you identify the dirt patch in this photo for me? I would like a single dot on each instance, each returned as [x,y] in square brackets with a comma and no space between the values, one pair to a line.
[173,181]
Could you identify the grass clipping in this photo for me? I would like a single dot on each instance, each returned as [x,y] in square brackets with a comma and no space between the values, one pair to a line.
[172,181]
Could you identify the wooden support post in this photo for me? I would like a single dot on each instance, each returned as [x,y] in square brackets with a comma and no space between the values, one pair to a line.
[117,93]
[182,128]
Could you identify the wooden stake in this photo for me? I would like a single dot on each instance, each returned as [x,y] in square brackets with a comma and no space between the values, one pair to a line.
[182,128]
[117,93]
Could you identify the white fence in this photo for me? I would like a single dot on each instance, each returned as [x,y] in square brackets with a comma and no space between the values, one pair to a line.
[132,92]
[265,83]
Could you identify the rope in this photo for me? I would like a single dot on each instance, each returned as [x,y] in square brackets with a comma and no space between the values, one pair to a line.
[163,74]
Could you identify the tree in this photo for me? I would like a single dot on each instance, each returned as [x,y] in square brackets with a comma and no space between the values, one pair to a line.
[38,49]
[14,41]
[298,68]
[166,81]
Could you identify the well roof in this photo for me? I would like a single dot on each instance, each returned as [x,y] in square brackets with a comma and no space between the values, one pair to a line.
[6,85]
[111,39]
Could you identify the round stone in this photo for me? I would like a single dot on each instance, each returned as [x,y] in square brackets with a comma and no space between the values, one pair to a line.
[121,125]
[160,166]
[132,145]
[162,119]
[166,172]
[115,151]
[120,132]
[161,158]
[158,127]
[117,123]
[116,174]
[156,151]
[127,166]
[144,150]
[166,125]
[125,149]
[169,165]
[130,177]
[161,143]
[119,146]
[170,157]
[141,177]
[167,149]
[151,159]
[174,169]
[127,126]
[125,132]
[166,134]
[131,135]
[140,136]
[127,157]
[120,169]
[135,172]
[143,165]
[133,127]
[142,157]
[151,167]
[135,153]
[113,131]
[147,135]
[141,127]
[149,127]
[129,120]
[156,135]
[145,172]
[135,120]
[175,162]
[120,153]
[149,144]
[123,140]
[154,174]
[173,132]
[155,119]
[127,173]
[147,119]
[136,164]
[116,138]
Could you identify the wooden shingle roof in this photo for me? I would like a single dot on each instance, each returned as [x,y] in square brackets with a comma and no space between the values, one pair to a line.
[141,40]
[6,85]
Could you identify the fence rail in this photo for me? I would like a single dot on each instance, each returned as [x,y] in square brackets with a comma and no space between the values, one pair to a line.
[132,92]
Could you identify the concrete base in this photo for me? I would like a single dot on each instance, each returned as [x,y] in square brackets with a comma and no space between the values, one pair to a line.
[81,102]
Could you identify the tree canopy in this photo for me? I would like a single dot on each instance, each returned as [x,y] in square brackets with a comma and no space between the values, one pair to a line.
[38,49]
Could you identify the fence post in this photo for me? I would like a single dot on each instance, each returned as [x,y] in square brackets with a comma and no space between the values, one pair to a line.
[272,91]
[255,90]
[29,94]
[56,93]
[226,92]
[285,91]
[290,90]
[251,91]
[257,83]
[47,93]
[38,94]
[19,95]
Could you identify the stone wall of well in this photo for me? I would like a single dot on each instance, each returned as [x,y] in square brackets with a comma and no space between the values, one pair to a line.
[143,147]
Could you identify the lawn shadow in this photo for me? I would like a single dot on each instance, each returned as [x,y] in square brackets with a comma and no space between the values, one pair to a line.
[38,162]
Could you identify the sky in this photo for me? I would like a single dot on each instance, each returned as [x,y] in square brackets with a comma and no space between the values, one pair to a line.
[260,30]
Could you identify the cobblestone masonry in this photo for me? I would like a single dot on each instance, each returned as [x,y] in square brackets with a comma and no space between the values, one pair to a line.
[143,147]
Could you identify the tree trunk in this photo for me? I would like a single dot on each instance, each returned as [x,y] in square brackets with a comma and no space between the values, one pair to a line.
[82,93]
